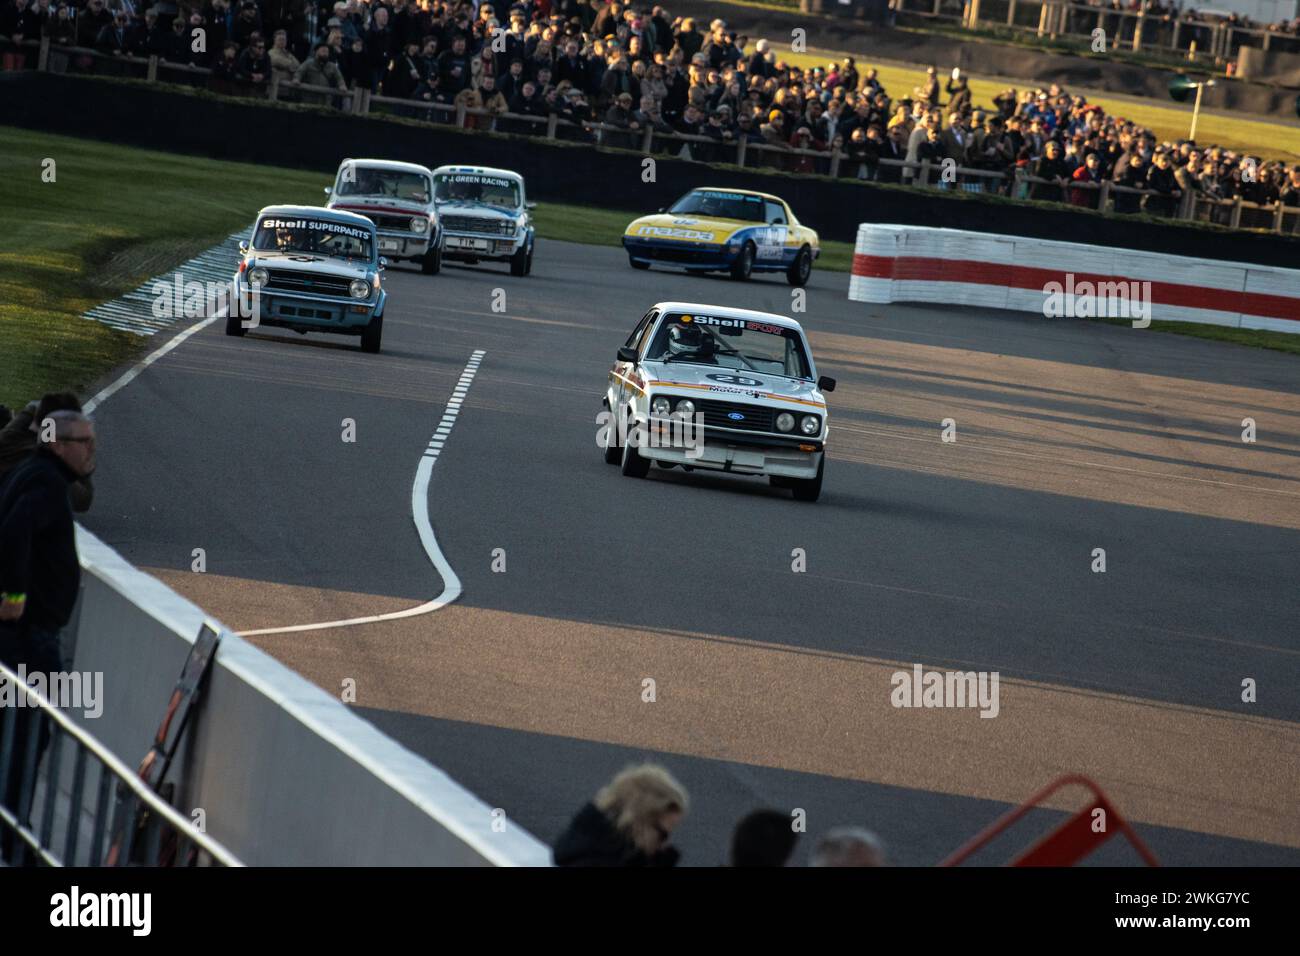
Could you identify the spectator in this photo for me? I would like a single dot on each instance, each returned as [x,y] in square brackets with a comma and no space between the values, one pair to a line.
[320,71]
[113,38]
[1051,167]
[1132,176]
[620,115]
[1163,200]
[20,436]
[253,66]
[39,573]
[629,823]
[1089,172]
[959,97]
[283,63]
[894,148]
[848,846]
[225,72]
[92,22]
[763,838]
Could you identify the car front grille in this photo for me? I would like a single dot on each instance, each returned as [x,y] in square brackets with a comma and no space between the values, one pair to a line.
[676,254]
[308,282]
[391,223]
[478,224]
[757,418]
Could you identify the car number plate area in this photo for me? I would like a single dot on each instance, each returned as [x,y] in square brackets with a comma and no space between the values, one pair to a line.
[388,245]
[460,242]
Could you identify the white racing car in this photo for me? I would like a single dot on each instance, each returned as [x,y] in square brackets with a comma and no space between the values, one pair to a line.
[711,387]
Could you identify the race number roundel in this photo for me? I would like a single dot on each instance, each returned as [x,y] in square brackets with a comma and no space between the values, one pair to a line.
[735,380]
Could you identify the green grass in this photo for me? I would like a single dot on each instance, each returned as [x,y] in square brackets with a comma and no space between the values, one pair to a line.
[116,216]
[113,217]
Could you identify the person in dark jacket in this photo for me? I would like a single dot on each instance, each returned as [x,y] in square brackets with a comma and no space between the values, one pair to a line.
[1166,194]
[1052,167]
[629,823]
[39,578]
[21,434]
[763,838]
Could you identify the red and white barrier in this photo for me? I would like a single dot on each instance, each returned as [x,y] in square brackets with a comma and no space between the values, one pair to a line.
[953,266]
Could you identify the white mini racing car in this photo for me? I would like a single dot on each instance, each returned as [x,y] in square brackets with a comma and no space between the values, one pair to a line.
[711,387]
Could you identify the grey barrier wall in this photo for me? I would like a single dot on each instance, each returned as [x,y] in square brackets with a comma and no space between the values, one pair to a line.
[286,775]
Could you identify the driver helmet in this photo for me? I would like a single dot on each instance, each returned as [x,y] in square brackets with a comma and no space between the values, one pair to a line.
[684,338]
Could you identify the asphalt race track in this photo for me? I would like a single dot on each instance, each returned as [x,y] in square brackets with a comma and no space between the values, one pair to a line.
[771,687]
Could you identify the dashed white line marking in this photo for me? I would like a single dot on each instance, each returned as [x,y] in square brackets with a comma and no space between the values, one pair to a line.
[420,514]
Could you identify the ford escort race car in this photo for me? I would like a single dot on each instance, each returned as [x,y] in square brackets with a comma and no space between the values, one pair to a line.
[310,269]
[731,230]
[484,215]
[738,387]
[398,199]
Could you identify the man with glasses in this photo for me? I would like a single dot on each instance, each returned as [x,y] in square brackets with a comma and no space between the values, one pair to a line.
[39,575]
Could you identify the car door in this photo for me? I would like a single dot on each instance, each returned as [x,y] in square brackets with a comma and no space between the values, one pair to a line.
[621,370]
[775,247]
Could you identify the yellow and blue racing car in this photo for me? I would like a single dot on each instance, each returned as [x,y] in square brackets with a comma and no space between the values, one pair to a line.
[725,230]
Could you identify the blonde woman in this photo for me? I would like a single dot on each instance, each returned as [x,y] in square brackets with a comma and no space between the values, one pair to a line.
[629,823]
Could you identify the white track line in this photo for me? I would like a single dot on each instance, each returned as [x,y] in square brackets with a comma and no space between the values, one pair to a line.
[420,513]
[148,360]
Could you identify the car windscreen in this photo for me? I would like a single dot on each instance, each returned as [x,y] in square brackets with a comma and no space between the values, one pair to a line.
[312,236]
[476,187]
[729,343]
[720,205]
[383,183]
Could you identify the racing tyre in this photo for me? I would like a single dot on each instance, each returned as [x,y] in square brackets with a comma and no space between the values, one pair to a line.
[801,269]
[431,264]
[634,466]
[613,454]
[744,264]
[235,324]
[809,489]
[519,264]
[637,265]
[372,334]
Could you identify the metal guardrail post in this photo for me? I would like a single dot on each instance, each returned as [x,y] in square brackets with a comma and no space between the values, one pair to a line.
[924,178]
[742,146]
[43,57]
[460,114]
[273,90]
[1279,212]
[1235,221]
[151,72]
[1103,196]
[363,107]
[647,139]
[835,163]
[552,122]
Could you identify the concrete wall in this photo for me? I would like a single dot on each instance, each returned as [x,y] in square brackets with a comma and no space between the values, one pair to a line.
[286,774]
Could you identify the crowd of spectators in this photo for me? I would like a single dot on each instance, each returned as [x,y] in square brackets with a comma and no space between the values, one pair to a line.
[630,76]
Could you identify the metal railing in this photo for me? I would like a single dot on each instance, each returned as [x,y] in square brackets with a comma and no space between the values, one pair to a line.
[164,836]
[740,151]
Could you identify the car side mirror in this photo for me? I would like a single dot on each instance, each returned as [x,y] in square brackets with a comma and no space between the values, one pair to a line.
[243,247]
[826,383]
[627,354]
[383,262]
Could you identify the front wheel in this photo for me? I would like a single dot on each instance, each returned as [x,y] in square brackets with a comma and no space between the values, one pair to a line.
[634,466]
[372,334]
[744,264]
[520,262]
[801,269]
[234,324]
[809,489]
[613,454]
[431,264]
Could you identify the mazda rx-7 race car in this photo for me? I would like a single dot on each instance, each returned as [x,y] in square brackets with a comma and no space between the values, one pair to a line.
[725,230]
[717,388]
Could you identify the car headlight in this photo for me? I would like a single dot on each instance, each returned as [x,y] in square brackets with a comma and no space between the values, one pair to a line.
[810,425]
[685,407]
[359,288]
[785,422]
[661,406]
[258,277]
[419,224]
